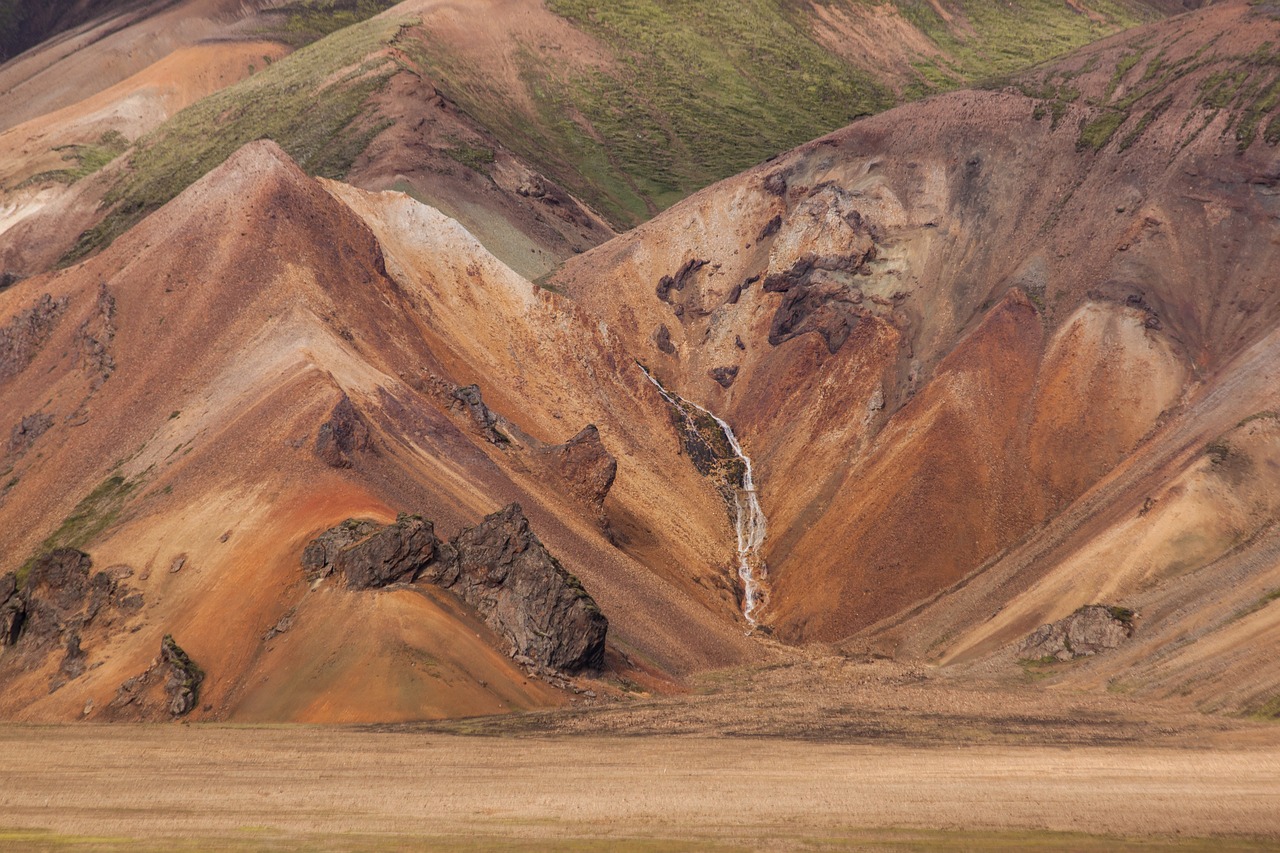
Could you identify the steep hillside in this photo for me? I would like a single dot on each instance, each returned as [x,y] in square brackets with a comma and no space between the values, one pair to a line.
[542,126]
[945,327]
[993,355]
[71,107]
[171,396]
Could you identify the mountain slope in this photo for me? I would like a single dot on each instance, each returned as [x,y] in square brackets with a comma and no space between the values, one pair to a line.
[172,391]
[944,325]
[994,355]
[542,126]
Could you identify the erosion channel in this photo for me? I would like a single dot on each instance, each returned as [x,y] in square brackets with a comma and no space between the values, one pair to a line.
[738,483]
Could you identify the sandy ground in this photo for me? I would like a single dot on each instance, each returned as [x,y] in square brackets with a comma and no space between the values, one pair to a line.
[301,784]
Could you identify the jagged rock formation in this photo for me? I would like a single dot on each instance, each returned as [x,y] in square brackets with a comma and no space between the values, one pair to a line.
[499,567]
[1091,629]
[813,262]
[171,684]
[183,683]
[587,468]
[503,570]
[320,558]
[369,555]
[343,435]
[55,608]
[23,336]
[60,597]
[469,399]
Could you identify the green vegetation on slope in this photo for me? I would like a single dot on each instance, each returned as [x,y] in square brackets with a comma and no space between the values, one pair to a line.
[987,39]
[94,514]
[690,93]
[697,92]
[307,21]
[1140,84]
[313,103]
[88,159]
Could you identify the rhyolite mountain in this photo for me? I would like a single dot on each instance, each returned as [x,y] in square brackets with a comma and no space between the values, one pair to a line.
[542,127]
[996,356]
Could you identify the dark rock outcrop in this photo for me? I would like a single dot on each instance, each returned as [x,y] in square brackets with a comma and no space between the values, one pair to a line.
[320,557]
[724,375]
[499,567]
[814,301]
[23,336]
[396,553]
[503,570]
[371,555]
[586,467]
[13,609]
[773,226]
[342,436]
[486,421]
[1091,629]
[669,283]
[95,337]
[73,659]
[170,685]
[58,598]
[55,608]
[26,431]
[662,339]
[182,686]
[816,259]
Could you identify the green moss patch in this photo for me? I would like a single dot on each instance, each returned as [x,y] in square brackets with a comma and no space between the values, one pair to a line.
[314,103]
[91,516]
[85,159]
[307,21]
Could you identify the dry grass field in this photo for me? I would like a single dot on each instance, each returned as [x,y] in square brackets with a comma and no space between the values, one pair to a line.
[773,759]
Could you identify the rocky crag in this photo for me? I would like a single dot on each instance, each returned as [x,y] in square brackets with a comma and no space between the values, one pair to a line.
[499,567]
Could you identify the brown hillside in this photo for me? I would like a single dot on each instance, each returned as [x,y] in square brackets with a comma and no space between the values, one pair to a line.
[995,355]
[951,320]
[196,360]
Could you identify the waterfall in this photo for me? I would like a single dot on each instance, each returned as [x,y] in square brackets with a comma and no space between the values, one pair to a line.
[750,522]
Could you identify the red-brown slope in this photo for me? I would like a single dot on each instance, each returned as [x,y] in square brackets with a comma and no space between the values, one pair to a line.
[196,360]
[950,320]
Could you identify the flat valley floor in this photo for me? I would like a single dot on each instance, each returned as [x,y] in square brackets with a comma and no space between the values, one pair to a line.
[813,756]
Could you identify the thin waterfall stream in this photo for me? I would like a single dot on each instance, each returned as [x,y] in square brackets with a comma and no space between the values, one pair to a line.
[750,522]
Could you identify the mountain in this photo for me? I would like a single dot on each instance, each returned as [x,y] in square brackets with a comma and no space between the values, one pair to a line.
[993,356]
[541,127]
[193,365]
[1001,354]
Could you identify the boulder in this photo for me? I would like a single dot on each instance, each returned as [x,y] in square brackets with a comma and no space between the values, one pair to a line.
[370,555]
[1091,629]
[503,570]
[586,467]
[342,436]
[499,567]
